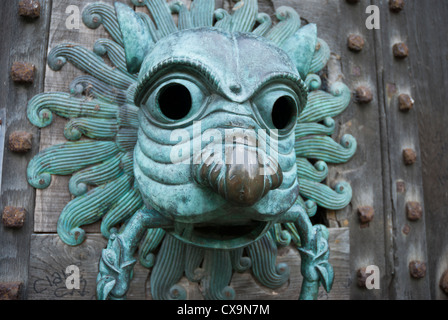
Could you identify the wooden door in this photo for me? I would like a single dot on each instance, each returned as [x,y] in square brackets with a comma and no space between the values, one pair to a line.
[34,256]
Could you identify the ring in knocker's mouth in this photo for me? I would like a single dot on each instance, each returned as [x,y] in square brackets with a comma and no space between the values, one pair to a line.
[220,234]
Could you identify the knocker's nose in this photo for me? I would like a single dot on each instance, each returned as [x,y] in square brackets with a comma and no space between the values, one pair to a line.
[244,178]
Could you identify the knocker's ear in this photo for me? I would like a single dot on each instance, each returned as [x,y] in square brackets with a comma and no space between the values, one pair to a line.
[136,37]
[301,47]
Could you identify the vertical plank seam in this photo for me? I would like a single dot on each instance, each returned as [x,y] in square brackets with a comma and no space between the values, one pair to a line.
[389,242]
[49,8]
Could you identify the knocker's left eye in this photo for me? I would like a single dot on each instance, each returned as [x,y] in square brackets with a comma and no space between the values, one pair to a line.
[175,100]
[278,107]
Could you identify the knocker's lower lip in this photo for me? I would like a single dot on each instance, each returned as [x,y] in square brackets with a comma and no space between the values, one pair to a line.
[220,236]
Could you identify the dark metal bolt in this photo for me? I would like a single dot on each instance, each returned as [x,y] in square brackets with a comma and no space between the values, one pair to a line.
[405,102]
[396,5]
[10,290]
[363,95]
[414,211]
[361,277]
[400,50]
[20,141]
[366,214]
[22,72]
[417,269]
[444,282]
[29,9]
[401,187]
[406,229]
[409,157]
[355,42]
[14,217]
[352,1]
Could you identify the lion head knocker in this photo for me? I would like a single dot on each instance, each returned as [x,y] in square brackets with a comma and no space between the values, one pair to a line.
[204,146]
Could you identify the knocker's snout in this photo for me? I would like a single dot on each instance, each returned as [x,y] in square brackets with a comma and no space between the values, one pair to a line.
[240,171]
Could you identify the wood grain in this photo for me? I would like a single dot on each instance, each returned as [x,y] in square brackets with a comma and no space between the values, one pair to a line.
[364,170]
[50,257]
[380,129]
[26,41]
[48,262]
[398,132]
[425,27]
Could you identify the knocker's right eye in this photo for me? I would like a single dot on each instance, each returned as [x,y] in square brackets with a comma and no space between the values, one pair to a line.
[278,107]
[175,100]
[284,112]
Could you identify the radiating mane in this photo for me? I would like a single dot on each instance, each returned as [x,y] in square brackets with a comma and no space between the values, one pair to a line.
[102,130]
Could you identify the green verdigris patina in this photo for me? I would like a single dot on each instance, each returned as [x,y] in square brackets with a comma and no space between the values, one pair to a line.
[165,128]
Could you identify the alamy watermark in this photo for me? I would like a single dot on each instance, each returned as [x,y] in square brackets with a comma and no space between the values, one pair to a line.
[73,19]
[373,278]
[73,278]
[373,21]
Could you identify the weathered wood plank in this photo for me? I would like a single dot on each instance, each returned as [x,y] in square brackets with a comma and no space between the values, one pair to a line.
[407,239]
[50,257]
[26,41]
[2,141]
[363,172]
[428,65]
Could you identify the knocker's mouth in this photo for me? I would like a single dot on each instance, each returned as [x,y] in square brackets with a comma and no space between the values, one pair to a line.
[221,234]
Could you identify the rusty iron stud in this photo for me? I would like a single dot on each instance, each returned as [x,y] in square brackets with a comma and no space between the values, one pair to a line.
[444,282]
[401,187]
[22,72]
[361,277]
[406,229]
[10,290]
[409,157]
[29,9]
[417,269]
[414,211]
[400,50]
[13,217]
[396,5]
[20,141]
[363,95]
[405,102]
[366,214]
[355,42]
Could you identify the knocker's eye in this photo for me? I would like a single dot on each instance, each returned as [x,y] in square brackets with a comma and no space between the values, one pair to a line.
[278,107]
[175,100]
[284,112]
